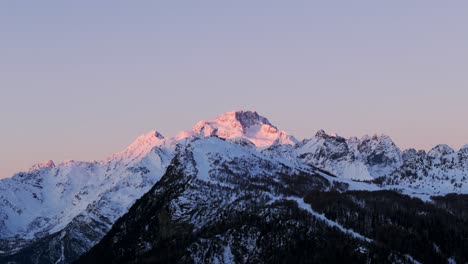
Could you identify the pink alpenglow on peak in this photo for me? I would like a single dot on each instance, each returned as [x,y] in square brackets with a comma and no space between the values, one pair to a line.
[148,140]
[49,164]
[242,124]
[141,146]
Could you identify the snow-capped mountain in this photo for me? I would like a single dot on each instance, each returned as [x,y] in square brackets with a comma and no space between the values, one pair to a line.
[442,170]
[48,201]
[222,202]
[361,159]
[57,212]
[245,125]
[210,185]
[51,202]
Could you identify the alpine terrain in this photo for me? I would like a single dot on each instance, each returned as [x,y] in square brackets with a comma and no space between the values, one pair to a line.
[236,189]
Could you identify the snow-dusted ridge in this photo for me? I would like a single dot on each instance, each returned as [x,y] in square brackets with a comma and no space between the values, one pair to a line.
[442,170]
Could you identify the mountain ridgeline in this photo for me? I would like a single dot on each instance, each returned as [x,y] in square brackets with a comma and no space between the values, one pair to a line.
[236,189]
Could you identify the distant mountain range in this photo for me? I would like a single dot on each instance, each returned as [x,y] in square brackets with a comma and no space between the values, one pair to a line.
[238,189]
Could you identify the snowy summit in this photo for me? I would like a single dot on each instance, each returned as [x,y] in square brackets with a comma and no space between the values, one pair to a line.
[247,125]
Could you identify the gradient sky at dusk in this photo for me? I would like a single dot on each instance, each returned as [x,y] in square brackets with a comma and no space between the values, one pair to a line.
[81,79]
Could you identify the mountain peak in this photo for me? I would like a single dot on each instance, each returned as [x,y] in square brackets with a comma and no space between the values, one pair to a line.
[464,148]
[440,151]
[148,138]
[49,164]
[249,118]
[243,124]
[376,137]
[322,134]
[245,118]
[143,144]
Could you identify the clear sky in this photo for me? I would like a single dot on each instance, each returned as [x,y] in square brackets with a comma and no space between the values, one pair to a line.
[81,79]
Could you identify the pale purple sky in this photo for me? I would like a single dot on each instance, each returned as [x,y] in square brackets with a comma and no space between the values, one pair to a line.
[81,79]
